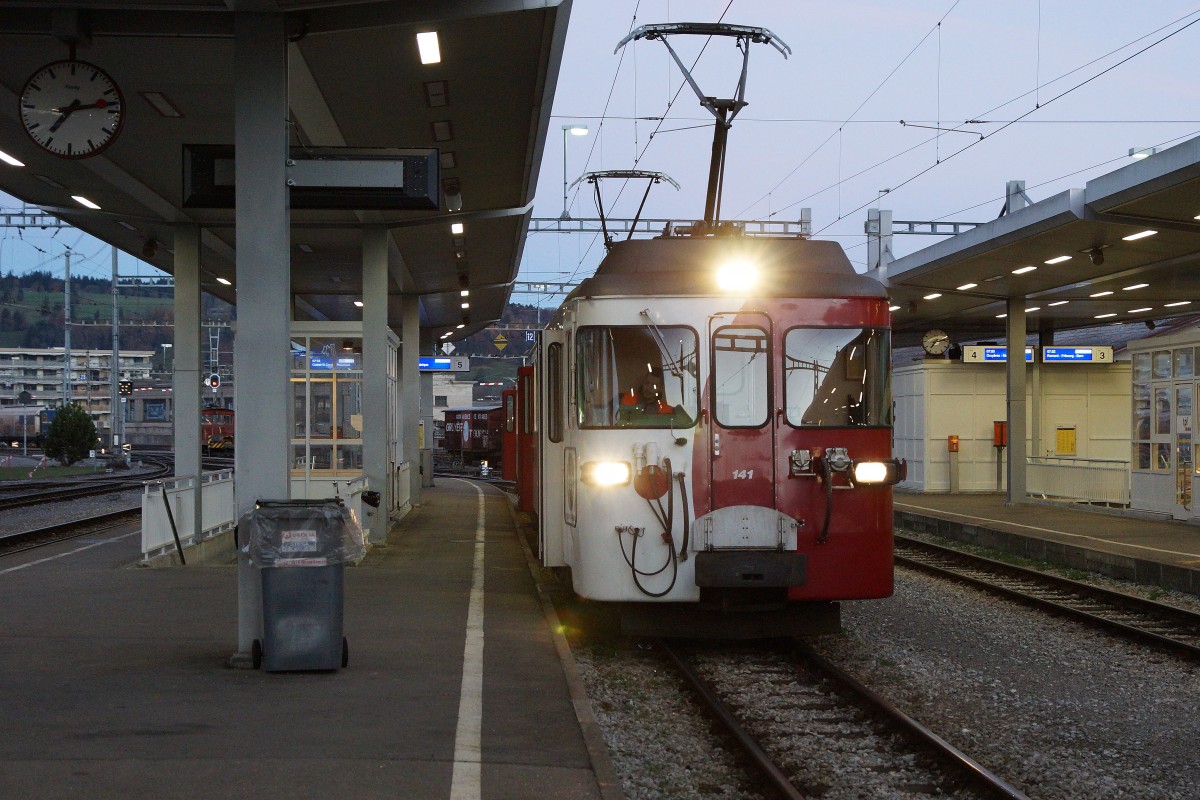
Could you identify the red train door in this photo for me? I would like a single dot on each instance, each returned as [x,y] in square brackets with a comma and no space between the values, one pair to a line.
[741,408]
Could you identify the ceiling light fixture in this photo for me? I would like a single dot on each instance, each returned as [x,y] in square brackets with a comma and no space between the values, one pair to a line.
[1031,310]
[1023,270]
[83,201]
[1133,237]
[1058,303]
[161,104]
[7,159]
[456,228]
[933,296]
[1001,316]
[1142,152]
[225,281]
[429,47]
[893,308]
[1058,259]
[1140,310]
[464,293]
[304,248]
[1135,286]
[1180,303]
[1104,316]
[966,286]
[1100,294]
[358,303]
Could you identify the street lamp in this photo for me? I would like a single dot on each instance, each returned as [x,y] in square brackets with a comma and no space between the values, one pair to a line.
[165,346]
[1142,152]
[574,130]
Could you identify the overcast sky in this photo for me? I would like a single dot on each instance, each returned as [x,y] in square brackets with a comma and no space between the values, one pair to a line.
[823,126]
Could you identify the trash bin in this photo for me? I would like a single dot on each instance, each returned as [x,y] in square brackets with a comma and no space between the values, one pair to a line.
[301,548]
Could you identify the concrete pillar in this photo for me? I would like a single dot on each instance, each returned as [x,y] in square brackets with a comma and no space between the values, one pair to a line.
[1045,339]
[186,382]
[1016,399]
[375,372]
[410,395]
[261,365]
[879,242]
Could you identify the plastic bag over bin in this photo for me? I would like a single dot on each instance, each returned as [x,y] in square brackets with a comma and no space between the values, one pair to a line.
[301,533]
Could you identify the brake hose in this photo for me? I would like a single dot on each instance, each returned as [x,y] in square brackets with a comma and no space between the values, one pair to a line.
[683,500]
[827,472]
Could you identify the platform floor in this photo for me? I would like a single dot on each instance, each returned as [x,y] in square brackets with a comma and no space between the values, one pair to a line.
[1121,545]
[116,682]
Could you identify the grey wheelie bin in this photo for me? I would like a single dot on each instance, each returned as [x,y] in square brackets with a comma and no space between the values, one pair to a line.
[301,548]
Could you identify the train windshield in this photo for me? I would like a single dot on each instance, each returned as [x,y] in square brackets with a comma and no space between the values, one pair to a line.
[637,376]
[838,377]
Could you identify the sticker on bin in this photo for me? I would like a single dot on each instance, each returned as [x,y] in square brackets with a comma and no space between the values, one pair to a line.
[298,542]
[302,562]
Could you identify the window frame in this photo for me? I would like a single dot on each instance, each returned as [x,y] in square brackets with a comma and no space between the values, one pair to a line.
[886,402]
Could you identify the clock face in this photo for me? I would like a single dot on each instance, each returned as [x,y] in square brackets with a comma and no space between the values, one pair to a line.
[935,342]
[72,108]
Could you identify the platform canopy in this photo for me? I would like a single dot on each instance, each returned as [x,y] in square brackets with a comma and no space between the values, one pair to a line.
[1111,274]
[356,80]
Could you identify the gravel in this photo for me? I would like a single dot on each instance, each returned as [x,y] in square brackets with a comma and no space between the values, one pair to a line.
[1061,711]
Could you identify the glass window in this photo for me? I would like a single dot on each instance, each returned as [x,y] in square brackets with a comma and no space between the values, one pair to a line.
[741,376]
[1183,404]
[527,406]
[1184,364]
[1162,410]
[554,411]
[1162,457]
[1162,363]
[1141,455]
[320,410]
[639,376]
[837,376]
[349,456]
[300,407]
[349,408]
[1141,412]
[510,412]
[1141,366]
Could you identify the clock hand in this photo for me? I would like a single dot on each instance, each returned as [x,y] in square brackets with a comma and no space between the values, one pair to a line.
[64,113]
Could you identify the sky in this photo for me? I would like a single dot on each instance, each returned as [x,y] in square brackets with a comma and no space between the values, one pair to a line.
[1060,89]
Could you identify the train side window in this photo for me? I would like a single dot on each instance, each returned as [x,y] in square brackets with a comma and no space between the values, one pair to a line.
[837,377]
[554,392]
[527,404]
[510,412]
[636,376]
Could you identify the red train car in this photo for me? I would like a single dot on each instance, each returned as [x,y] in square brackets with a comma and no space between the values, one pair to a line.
[474,434]
[216,429]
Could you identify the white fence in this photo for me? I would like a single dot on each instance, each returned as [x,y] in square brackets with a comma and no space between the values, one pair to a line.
[1080,480]
[159,526]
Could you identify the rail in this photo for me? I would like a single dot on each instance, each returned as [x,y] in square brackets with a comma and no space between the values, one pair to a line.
[1079,480]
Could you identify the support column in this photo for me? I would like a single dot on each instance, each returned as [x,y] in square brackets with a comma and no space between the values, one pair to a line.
[375,373]
[879,242]
[1016,400]
[410,395]
[261,358]
[186,381]
[1045,339]
[427,422]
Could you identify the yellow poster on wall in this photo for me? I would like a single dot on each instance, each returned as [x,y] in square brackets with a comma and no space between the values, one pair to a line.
[1064,441]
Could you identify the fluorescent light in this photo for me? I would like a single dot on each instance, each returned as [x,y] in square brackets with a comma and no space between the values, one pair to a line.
[446,335]
[1001,316]
[933,296]
[463,325]
[1031,310]
[893,308]
[1135,286]
[358,303]
[456,228]
[1139,310]
[430,49]
[966,286]
[1104,316]
[1100,294]
[7,159]
[1058,303]
[1023,270]
[465,293]
[1058,259]
[1133,237]
[1180,303]
[465,305]
[83,201]
[225,281]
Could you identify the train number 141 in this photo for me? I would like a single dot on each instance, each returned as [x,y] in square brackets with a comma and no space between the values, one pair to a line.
[743,474]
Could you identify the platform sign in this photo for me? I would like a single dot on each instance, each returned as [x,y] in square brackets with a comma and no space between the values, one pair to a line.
[444,364]
[979,354]
[1102,354]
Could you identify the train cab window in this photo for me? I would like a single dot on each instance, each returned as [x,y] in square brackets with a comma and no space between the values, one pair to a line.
[636,376]
[554,392]
[837,377]
[741,376]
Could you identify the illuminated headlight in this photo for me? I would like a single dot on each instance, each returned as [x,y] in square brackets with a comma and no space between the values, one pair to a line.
[738,277]
[605,473]
[877,472]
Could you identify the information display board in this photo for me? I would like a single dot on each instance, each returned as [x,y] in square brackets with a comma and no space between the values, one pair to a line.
[1102,354]
[981,353]
[444,363]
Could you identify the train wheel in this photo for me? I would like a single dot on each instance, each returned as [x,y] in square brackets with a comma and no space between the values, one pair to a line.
[256,654]
[345,652]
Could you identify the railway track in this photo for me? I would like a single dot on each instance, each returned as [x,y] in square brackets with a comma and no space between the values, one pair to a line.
[811,730]
[50,492]
[1136,618]
[23,541]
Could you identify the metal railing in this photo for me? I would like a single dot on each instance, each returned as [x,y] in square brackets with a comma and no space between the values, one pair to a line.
[1079,480]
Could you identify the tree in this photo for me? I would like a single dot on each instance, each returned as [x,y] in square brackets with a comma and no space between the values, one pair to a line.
[71,436]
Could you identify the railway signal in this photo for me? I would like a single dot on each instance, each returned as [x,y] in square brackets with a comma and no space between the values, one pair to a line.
[213,381]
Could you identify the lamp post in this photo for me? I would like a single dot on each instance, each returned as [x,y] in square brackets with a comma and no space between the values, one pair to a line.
[574,130]
[165,347]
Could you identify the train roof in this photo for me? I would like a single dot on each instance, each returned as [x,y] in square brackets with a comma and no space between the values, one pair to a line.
[680,265]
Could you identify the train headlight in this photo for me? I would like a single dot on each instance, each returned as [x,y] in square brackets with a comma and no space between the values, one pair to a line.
[605,473]
[874,473]
[737,277]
